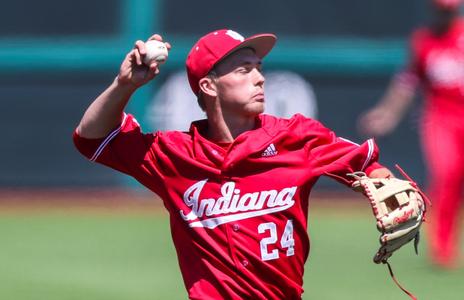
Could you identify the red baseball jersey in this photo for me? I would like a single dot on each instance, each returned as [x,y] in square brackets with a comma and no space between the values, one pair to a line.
[437,61]
[238,211]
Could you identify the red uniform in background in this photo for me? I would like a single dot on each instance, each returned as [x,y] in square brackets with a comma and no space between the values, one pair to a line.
[438,64]
[238,211]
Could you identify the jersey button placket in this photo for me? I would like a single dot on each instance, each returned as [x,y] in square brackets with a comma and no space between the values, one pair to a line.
[232,229]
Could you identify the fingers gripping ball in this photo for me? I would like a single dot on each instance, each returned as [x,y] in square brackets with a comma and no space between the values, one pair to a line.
[398,207]
[156,51]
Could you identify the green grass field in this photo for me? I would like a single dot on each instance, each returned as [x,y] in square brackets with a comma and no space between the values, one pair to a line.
[75,254]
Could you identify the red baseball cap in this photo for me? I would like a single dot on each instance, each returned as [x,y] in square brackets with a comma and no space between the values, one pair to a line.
[450,4]
[216,45]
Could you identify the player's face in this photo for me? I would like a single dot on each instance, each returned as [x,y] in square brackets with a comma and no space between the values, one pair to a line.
[240,84]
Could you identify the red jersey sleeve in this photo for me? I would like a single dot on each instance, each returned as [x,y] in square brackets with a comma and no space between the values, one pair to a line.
[336,156]
[125,149]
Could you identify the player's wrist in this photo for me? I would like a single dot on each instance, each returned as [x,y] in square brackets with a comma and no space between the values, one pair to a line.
[124,86]
[380,173]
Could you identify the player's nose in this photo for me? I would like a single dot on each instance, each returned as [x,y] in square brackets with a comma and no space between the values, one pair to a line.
[258,77]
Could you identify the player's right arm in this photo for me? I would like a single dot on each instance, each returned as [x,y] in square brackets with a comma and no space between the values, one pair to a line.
[385,116]
[106,111]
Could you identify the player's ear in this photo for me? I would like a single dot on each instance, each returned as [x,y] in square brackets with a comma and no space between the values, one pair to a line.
[208,86]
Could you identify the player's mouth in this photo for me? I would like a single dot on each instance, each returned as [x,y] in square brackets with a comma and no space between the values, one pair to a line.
[259,97]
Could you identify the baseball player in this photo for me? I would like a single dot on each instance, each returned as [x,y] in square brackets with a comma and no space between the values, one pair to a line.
[437,64]
[236,185]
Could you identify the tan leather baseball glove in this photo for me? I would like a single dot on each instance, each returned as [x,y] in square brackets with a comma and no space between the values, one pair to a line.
[399,208]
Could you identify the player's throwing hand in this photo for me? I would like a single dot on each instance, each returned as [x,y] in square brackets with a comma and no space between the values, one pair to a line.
[133,71]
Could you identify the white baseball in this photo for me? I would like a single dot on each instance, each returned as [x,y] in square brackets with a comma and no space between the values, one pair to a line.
[156,50]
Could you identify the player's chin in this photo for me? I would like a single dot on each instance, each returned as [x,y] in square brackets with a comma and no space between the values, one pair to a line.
[256,108]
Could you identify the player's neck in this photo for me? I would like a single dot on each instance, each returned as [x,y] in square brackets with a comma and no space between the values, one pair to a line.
[225,129]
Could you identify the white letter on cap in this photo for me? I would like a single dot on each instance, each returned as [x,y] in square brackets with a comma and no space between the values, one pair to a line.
[235,35]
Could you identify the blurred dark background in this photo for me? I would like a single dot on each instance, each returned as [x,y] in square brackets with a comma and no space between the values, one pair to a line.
[57,56]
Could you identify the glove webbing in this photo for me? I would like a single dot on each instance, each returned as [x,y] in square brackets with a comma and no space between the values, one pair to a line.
[414,184]
[398,284]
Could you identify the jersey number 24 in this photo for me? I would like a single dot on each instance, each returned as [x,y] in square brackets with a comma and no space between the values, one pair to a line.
[268,243]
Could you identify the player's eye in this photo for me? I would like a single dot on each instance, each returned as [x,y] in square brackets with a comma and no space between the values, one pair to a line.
[243,70]
[247,68]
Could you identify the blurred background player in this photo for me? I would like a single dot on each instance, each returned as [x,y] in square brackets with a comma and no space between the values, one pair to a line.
[288,93]
[437,65]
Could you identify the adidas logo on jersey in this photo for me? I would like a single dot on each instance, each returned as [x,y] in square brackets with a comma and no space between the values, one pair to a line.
[270,151]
